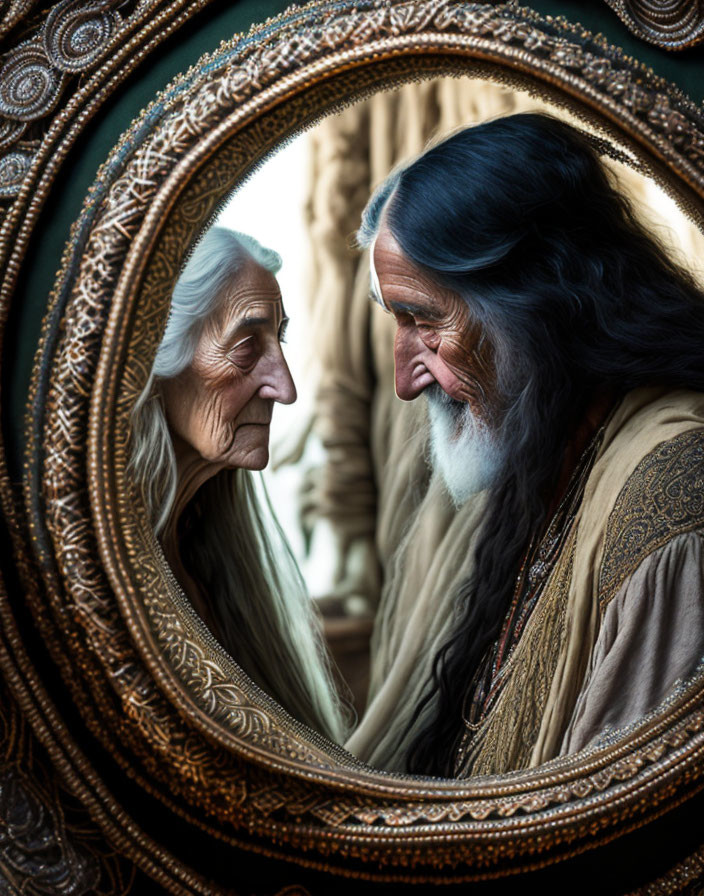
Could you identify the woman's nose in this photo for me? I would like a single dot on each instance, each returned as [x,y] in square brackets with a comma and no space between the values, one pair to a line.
[410,353]
[281,385]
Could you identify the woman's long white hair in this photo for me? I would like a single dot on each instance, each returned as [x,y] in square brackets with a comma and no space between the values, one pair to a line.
[229,539]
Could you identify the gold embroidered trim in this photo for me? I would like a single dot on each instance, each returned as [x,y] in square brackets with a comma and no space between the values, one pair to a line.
[662,498]
[511,728]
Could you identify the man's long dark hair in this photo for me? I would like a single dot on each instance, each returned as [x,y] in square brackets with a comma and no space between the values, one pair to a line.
[519,217]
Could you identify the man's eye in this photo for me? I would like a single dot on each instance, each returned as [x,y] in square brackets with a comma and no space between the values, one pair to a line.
[282,330]
[244,354]
[429,335]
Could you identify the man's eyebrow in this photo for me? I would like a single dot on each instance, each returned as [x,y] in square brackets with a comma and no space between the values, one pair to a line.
[421,311]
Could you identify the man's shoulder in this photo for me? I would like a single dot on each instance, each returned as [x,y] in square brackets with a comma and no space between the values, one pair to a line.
[661,499]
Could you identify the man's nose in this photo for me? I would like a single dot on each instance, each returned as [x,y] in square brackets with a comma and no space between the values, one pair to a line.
[410,354]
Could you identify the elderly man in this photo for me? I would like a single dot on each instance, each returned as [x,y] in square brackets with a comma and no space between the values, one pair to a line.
[560,352]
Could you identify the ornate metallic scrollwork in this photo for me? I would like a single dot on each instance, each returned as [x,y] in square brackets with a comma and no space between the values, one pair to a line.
[36,855]
[48,844]
[29,85]
[212,112]
[10,131]
[671,24]
[73,39]
[13,167]
[162,698]
[76,33]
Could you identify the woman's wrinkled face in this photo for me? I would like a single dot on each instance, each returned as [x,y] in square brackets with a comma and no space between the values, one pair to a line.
[221,404]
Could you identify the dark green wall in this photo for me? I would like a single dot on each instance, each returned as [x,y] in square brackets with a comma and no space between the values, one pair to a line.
[218,22]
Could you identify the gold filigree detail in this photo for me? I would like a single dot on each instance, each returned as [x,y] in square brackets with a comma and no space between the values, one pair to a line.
[76,33]
[29,85]
[13,167]
[506,738]
[10,131]
[663,498]
[73,39]
[674,25]
[48,844]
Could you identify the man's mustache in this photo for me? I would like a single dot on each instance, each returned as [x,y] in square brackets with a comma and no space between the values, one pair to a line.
[437,395]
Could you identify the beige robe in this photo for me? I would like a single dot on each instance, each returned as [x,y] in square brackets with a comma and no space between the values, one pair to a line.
[620,619]
[651,636]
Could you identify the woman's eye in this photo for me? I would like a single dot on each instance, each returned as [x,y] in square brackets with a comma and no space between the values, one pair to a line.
[244,354]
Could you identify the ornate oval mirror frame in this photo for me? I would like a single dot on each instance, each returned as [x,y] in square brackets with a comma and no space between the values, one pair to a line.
[160,717]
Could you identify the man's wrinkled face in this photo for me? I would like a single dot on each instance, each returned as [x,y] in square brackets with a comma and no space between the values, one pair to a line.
[436,340]
[221,404]
[439,351]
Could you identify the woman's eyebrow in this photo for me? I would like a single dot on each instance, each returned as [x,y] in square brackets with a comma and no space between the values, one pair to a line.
[247,322]
[252,321]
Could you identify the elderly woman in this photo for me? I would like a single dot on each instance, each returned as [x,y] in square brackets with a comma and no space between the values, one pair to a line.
[199,427]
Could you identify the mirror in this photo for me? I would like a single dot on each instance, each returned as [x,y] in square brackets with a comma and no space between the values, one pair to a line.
[198,734]
[351,481]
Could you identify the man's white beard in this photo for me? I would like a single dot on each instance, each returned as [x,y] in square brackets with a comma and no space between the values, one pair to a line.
[463,448]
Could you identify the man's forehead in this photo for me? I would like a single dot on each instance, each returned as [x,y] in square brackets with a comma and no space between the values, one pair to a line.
[407,288]
[386,256]
[386,247]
